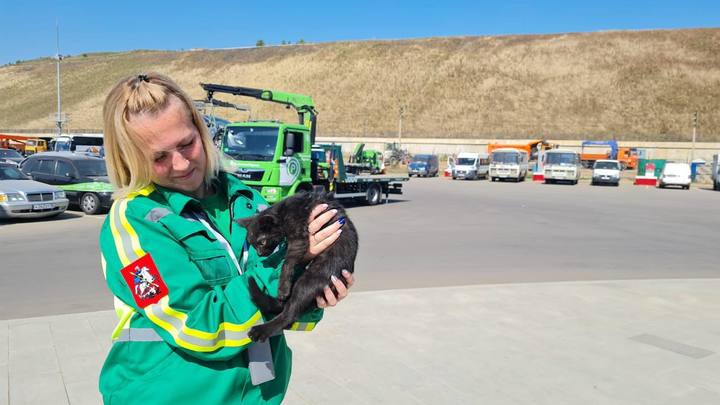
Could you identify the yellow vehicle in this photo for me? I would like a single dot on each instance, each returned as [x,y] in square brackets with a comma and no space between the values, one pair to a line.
[33,146]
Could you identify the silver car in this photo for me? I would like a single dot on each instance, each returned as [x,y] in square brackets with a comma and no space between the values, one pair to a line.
[21,197]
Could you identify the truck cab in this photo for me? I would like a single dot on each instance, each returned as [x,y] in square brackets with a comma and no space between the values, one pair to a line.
[272,157]
[562,165]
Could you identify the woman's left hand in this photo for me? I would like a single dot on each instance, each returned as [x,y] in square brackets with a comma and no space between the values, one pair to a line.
[328,299]
[321,238]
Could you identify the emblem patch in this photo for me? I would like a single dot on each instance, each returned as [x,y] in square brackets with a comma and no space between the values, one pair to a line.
[144,280]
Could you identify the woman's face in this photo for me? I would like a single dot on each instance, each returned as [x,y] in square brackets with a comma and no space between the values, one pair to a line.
[177,156]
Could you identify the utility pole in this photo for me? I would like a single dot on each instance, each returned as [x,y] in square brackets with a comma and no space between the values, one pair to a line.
[695,124]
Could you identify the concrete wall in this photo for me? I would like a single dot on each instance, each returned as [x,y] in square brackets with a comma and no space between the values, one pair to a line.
[679,151]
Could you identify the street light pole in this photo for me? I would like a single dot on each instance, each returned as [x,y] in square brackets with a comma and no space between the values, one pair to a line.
[58,57]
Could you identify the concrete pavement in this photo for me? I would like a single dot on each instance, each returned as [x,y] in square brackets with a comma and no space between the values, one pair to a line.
[604,342]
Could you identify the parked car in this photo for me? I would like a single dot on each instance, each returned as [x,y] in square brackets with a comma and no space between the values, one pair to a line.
[10,155]
[716,172]
[424,165]
[471,166]
[606,172]
[21,197]
[508,163]
[562,165]
[675,174]
[82,177]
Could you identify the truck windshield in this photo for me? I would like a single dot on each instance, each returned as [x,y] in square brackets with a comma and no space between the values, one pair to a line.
[421,158]
[92,168]
[466,161]
[250,143]
[505,157]
[607,165]
[562,158]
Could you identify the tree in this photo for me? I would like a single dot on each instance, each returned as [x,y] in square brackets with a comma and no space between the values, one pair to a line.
[260,43]
[301,41]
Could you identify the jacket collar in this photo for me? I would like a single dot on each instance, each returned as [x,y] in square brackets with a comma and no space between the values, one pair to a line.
[178,201]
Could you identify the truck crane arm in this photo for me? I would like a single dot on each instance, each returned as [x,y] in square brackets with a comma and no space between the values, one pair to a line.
[303,105]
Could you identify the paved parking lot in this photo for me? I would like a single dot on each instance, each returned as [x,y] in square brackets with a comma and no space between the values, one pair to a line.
[439,233]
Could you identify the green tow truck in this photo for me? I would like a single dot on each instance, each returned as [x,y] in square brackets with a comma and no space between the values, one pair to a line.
[279,159]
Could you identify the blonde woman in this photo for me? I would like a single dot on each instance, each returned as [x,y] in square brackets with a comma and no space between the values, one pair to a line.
[177,262]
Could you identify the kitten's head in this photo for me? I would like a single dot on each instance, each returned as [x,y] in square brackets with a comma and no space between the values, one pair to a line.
[263,232]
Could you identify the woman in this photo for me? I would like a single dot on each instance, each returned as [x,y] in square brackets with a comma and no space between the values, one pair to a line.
[177,262]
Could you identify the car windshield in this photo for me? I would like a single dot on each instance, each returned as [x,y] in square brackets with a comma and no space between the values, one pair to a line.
[9,153]
[505,157]
[11,173]
[250,143]
[562,158]
[92,167]
[466,161]
[607,165]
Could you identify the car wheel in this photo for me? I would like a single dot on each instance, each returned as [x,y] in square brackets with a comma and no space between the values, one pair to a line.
[90,203]
[374,194]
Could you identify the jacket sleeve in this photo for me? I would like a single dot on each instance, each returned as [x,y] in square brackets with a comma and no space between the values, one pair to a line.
[207,322]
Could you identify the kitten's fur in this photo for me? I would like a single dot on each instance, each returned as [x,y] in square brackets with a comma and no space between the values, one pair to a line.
[288,220]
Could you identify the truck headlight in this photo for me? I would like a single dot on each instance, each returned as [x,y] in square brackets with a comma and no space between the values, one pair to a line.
[58,194]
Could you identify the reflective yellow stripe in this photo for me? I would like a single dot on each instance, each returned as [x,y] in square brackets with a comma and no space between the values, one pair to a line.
[119,248]
[124,312]
[303,326]
[174,323]
[134,241]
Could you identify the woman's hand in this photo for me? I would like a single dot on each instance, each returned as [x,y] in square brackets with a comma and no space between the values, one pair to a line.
[321,238]
[329,299]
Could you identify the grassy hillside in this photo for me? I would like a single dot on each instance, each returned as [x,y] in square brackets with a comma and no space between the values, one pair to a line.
[631,85]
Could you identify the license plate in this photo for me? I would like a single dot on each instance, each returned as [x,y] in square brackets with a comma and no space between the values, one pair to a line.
[42,206]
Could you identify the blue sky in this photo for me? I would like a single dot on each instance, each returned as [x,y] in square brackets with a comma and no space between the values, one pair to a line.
[27,28]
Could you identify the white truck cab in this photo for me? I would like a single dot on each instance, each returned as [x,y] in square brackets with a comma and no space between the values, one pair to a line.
[562,165]
[508,163]
[469,165]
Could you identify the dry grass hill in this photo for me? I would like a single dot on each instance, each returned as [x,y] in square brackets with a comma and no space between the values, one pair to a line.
[632,85]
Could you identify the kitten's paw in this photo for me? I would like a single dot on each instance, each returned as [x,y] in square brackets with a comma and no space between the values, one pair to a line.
[260,333]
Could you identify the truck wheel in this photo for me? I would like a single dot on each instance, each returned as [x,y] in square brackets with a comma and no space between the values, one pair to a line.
[90,203]
[374,194]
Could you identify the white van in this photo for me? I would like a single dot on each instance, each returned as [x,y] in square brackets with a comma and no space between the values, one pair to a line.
[508,163]
[561,165]
[675,174]
[471,166]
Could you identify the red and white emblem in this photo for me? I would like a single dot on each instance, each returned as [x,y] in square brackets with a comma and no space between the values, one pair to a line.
[144,280]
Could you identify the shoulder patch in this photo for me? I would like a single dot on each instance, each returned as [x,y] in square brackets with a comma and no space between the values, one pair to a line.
[144,281]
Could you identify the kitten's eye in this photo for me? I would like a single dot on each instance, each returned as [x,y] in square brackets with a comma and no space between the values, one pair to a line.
[263,242]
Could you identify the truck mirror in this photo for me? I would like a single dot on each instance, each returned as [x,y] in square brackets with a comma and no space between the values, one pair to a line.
[288,152]
[289,143]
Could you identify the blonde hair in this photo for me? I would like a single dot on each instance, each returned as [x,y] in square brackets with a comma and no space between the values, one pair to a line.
[129,166]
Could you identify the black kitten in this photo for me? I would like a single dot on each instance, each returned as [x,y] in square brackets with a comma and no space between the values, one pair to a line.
[288,220]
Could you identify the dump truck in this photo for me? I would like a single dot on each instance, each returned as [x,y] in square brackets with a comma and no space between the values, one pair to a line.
[278,158]
[531,147]
[590,151]
[27,145]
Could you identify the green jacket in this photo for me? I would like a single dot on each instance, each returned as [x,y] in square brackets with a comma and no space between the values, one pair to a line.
[183,305]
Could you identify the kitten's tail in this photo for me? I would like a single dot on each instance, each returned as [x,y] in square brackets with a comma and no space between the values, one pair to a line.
[264,302]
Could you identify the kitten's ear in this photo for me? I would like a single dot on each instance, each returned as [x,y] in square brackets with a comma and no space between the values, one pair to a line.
[244,222]
[268,220]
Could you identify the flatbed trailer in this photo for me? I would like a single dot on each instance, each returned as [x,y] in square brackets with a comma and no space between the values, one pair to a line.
[370,187]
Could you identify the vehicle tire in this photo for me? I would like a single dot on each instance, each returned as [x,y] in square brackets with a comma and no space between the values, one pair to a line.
[90,203]
[454,178]
[716,186]
[374,194]
[574,182]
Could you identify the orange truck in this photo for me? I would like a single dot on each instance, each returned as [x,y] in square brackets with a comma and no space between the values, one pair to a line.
[27,145]
[531,147]
[597,150]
